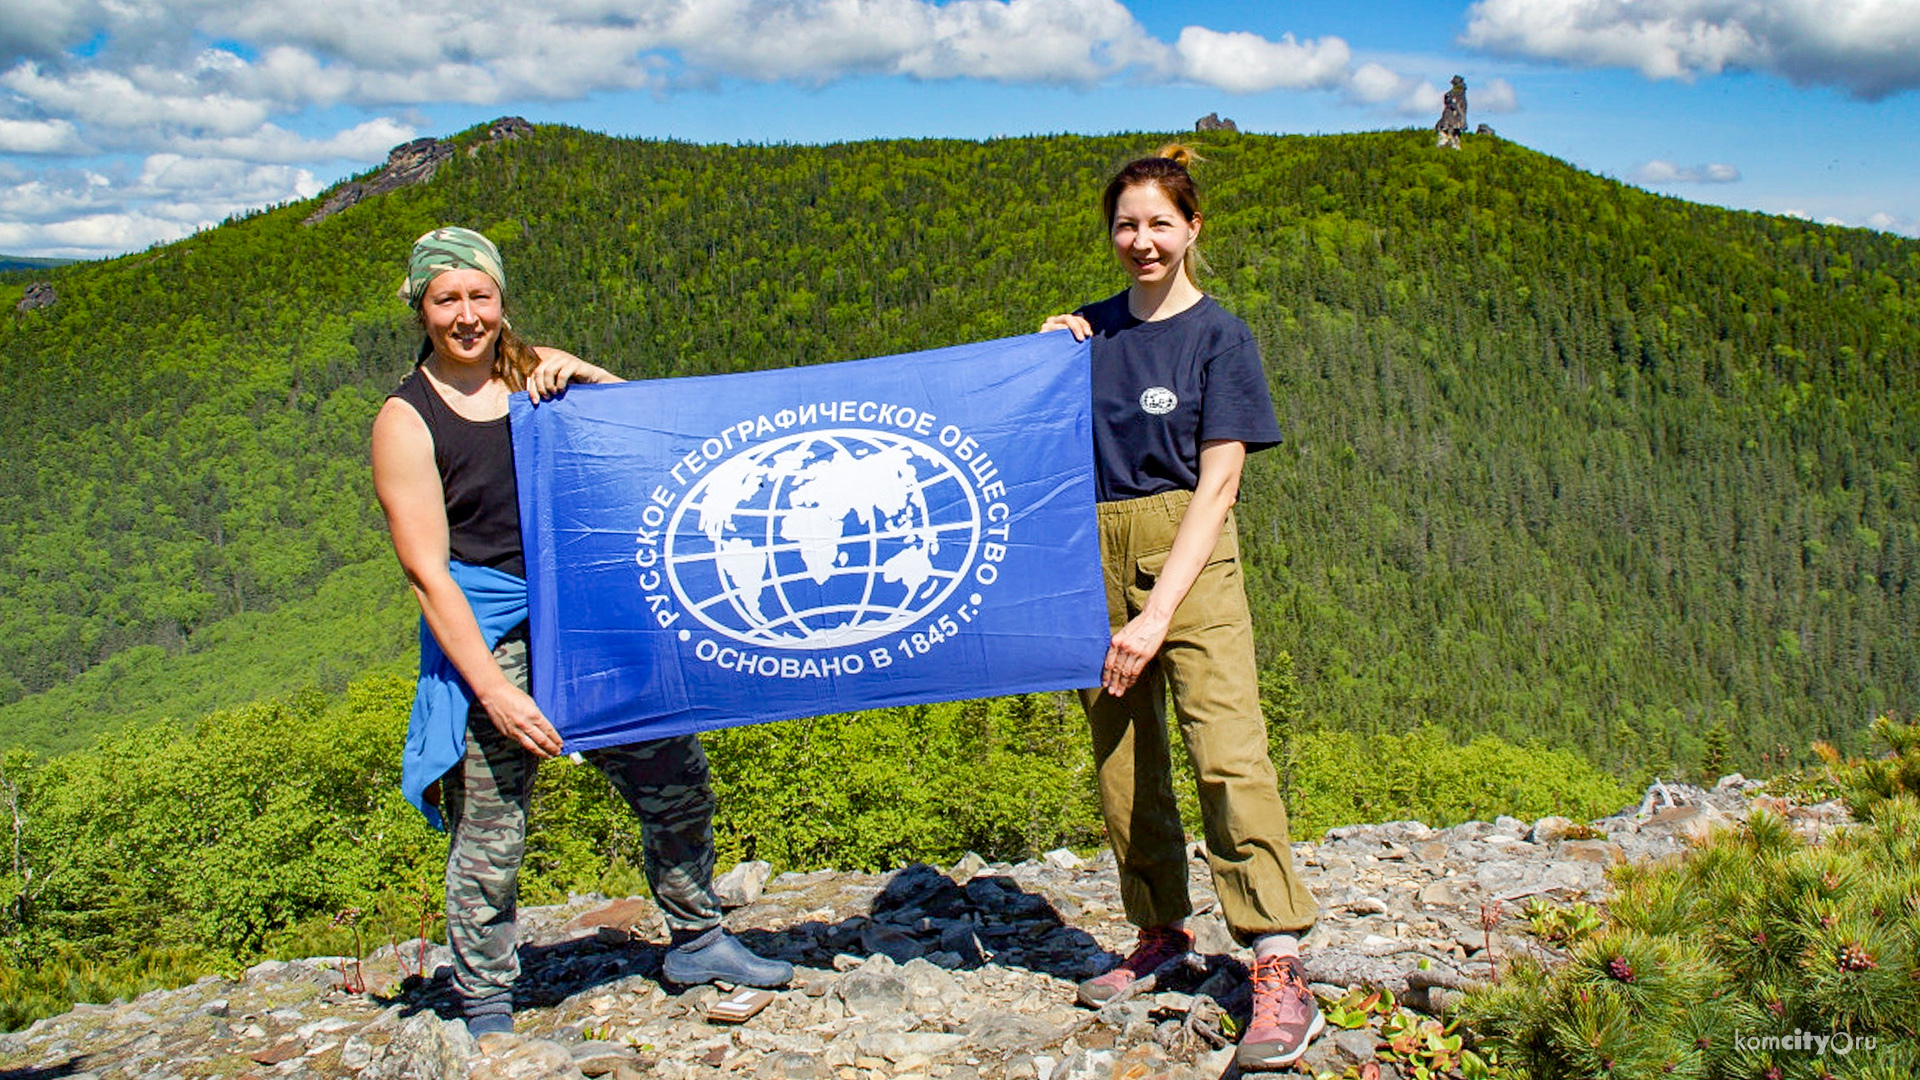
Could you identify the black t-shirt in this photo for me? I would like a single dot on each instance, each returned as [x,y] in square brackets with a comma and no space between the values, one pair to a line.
[1160,389]
[475,459]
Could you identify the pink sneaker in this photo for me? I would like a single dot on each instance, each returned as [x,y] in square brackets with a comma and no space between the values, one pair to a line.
[1285,1016]
[1158,946]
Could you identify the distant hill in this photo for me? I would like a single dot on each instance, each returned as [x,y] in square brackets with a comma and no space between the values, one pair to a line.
[1567,461]
[28,262]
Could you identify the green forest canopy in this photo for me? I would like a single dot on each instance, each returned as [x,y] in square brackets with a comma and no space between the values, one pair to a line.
[1567,461]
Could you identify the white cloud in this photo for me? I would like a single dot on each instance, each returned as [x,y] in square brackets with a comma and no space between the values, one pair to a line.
[378,55]
[1657,173]
[37,27]
[1870,48]
[148,84]
[1893,223]
[84,213]
[149,101]
[1375,84]
[39,137]
[368,141]
[1244,63]
[1495,96]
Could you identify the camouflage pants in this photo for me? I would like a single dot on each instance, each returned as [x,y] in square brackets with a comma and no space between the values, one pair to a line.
[485,801]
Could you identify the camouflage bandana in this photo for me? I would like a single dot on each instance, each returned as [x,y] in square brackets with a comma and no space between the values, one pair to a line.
[450,248]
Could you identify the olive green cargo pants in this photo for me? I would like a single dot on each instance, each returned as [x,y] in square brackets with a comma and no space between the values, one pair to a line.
[1208,662]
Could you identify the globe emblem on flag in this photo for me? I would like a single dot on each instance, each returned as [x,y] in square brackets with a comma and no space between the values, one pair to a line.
[823,539]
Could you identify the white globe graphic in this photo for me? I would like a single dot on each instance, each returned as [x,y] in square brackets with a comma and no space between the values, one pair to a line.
[823,539]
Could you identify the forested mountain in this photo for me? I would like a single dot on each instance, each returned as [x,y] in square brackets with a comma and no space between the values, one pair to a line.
[1567,461]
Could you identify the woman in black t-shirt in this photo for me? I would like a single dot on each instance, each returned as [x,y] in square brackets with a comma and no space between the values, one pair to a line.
[443,471]
[1180,399]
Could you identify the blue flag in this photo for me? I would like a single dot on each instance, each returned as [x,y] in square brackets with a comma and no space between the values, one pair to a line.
[733,549]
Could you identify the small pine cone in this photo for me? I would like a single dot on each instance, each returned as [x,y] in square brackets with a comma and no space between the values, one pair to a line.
[1758,937]
[1856,958]
[1619,969]
[1830,880]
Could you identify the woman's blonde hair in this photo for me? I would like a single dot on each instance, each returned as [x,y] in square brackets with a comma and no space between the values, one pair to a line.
[1168,170]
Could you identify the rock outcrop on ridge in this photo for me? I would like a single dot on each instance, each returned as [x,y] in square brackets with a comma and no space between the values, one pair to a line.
[38,295]
[958,973]
[410,163]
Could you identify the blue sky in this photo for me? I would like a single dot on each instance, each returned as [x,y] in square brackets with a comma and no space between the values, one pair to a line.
[125,123]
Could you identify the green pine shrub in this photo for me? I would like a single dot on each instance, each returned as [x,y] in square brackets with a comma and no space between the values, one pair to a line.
[1711,960]
[1869,783]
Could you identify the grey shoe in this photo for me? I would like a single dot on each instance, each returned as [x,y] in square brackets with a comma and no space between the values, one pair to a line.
[717,956]
[490,1015]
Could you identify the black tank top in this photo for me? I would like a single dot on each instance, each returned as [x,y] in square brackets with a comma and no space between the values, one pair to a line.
[475,459]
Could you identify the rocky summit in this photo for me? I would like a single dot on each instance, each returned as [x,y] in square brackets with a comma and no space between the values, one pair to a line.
[958,973]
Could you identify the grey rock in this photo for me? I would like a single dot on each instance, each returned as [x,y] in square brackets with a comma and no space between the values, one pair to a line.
[742,885]
[969,865]
[1210,934]
[898,1046]
[871,993]
[1007,1031]
[1549,830]
[598,1057]
[1063,859]
[1214,122]
[787,1065]
[1087,1065]
[424,1047]
[505,129]
[40,294]
[1354,1046]
[356,1053]
[1323,1057]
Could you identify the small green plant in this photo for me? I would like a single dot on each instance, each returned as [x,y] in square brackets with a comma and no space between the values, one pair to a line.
[1357,1007]
[1426,1049]
[1567,925]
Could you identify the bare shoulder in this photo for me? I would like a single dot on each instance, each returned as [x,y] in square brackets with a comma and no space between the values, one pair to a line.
[399,417]
[548,352]
[399,431]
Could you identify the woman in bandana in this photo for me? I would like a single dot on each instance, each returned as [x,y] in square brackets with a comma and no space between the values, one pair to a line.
[443,471]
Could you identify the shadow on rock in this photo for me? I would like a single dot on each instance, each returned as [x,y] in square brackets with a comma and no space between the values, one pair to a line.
[921,913]
[45,1072]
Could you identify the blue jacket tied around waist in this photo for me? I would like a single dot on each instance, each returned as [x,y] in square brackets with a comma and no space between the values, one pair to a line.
[437,728]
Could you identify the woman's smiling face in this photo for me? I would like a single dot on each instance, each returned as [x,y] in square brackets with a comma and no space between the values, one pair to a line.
[1150,234]
[462,312]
